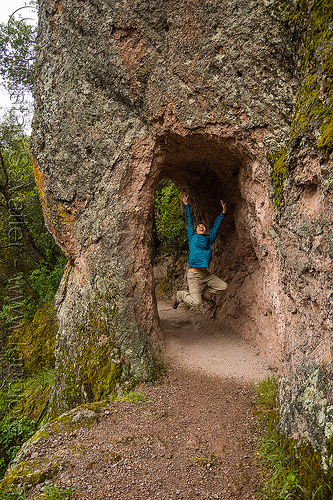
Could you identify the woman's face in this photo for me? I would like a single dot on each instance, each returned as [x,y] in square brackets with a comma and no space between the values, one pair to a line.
[201,229]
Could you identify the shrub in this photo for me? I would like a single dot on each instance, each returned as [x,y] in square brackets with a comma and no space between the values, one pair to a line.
[12,435]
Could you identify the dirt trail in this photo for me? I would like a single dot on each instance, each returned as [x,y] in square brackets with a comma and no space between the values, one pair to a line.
[196,342]
[193,439]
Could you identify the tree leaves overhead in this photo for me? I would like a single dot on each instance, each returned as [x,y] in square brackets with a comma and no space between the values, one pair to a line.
[19,201]
[17,55]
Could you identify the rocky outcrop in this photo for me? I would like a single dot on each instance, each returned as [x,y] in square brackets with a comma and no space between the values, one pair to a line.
[204,93]
[30,466]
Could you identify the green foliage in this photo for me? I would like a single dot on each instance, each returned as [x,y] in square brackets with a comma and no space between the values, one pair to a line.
[44,283]
[30,262]
[131,396]
[169,219]
[21,401]
[55,493]
[51,493]
[274,451]
[17,56]
[13,494]
[32,293]
[12,435]
[266,394]
[31,266]
[11,312]
[293,470]
[33,341]
[312,476]
[22,229]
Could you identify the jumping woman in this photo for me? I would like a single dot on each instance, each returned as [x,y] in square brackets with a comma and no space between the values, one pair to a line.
[202,285]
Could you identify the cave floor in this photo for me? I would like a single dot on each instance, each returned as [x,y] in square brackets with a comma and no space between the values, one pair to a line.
[194,437]
[194,341]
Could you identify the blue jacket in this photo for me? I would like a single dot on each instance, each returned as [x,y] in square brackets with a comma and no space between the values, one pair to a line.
[200,244]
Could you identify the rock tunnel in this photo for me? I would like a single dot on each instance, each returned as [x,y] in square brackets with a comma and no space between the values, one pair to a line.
[212,168]
[204,93]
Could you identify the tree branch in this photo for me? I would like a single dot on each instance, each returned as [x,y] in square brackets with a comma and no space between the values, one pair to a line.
[22,186]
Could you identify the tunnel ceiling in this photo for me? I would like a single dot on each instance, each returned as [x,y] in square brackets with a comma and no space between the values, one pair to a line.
[205,166]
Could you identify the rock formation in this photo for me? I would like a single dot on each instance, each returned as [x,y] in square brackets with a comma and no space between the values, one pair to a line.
[202,92]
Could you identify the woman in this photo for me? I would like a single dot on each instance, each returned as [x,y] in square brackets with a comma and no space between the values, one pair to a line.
[199,258]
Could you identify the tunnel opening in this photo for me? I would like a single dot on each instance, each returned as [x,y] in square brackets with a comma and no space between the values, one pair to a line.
[169,228]
[209,169]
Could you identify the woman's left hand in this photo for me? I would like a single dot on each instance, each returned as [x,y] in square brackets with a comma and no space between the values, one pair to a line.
[224,207]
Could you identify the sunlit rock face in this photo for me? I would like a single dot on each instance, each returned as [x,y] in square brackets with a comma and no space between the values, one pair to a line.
[202,92]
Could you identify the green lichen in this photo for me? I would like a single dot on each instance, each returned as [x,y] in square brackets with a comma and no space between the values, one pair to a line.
[96,406]
[83,416]
[130,396]
[309,111]
[30,396]
[278,173]
[41,435]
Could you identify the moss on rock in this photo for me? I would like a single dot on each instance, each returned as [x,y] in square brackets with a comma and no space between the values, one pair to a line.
[34,340]
[99,361]
[278,173]
[326,139]
[313,112]
[99,365]
[29,473]
[314,108]
[309,465]
[34,401]
[34,470]
[311,474]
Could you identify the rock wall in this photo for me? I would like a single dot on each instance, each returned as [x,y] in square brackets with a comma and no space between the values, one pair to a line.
[202,92]
[303,236]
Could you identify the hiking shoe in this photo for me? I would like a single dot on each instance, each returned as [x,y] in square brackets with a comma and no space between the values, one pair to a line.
[175,303]
[210,302]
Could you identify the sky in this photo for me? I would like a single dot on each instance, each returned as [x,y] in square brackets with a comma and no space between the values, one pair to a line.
[7,8]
